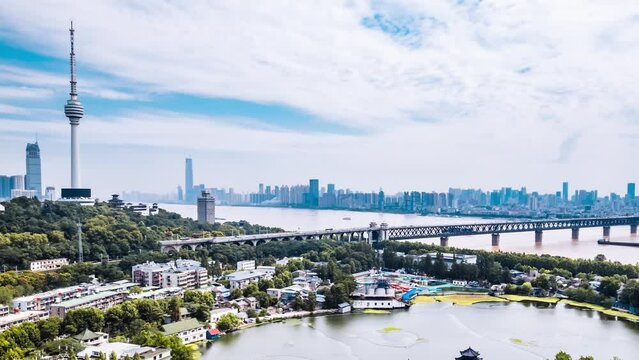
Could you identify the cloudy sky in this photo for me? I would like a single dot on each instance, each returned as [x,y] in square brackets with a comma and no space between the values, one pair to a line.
[416,95]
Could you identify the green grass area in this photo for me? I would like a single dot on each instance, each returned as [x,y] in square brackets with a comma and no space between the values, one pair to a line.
[518,298]
[458,299]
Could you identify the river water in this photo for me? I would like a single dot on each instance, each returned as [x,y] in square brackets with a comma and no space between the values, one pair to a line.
[554,242]
[436,331]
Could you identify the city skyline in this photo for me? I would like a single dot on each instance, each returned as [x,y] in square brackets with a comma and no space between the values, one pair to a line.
[531,100]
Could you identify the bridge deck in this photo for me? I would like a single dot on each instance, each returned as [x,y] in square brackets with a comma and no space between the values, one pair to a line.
[418,231]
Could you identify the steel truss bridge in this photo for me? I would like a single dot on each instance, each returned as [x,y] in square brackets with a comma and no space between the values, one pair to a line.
[383,232]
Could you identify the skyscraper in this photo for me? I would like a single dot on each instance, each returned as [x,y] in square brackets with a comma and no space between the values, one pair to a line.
[74,111]
[564,191]
[630,195]
[313,190]
[33,180]
[17,182]
[5,187]
[330,189]
[188,181]
[206,208]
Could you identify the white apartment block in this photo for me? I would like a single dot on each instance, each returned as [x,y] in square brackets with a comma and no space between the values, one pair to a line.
[103,301]
[48,265]
[245,265]
[42,301]
[185,274]
[8,320]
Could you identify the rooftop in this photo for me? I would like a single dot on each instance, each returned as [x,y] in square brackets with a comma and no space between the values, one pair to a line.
[87,335]
[245,275]
[85,299]
[179,326]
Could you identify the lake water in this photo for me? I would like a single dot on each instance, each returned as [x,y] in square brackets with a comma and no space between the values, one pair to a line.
[436,331]
[554,242]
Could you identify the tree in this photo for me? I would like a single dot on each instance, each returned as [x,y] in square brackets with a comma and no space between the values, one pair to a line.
[137,357]
[49,328]
[102,356]
[173,307]
[113,356]
[600,257]
[609,286]
[562,356]
[75,321]
[311,302]
[228,322]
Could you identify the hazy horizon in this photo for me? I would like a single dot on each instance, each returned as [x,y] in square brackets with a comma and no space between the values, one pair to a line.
[398,95]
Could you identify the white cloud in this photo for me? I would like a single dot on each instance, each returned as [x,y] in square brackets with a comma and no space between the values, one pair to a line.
[482,94]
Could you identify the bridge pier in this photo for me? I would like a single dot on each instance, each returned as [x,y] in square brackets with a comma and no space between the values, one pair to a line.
[575,233]
[606,231]
[633,229]
[538,236]
[495,239]
[443,241]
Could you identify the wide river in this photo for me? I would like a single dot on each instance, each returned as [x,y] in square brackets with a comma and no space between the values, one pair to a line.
[434,331]
[556,242]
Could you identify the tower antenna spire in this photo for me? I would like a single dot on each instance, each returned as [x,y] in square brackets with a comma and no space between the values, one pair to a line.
[74,91]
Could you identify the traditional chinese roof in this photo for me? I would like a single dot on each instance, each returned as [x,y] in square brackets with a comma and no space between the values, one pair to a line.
[87,335]
[469,354]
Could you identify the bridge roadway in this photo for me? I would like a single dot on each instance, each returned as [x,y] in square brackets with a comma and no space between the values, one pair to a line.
[382,232]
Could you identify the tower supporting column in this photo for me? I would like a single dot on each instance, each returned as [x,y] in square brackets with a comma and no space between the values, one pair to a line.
[443,241]
[538,236]
[495,239]
[606,231]
[575,233]
[633,229]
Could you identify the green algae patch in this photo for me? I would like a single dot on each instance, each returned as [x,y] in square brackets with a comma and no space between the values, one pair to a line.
[375,311]
[389,329]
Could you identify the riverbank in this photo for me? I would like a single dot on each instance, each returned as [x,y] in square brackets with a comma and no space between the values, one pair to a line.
[471,299]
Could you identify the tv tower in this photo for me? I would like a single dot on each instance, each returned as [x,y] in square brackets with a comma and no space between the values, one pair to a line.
[74,111]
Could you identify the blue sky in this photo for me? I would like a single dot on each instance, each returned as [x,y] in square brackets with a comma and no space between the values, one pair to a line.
[400,95]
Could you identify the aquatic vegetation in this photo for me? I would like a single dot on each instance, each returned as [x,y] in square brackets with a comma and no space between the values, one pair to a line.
[388,329]
[518,298]
[375,311]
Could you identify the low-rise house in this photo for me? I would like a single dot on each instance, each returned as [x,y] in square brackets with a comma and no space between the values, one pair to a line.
[157,294]
[90,338]
[274,292]
[240,279]
[344,308]
[121,350]
[216,314]
[269,270]
[189,331]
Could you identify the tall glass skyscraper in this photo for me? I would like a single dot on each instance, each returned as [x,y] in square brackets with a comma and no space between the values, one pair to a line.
[630,194]
[313,190]
[5,187]
[564,191]
[188,181]
[33,181]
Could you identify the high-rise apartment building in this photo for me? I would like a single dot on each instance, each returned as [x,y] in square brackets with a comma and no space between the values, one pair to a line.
[206,208]
[630,194]
[33,180]
[188,181]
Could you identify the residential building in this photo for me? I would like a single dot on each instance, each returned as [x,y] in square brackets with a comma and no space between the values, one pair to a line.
[33,180]
[11,319]
[240,279]
[206,208]
[216,314]
[157,294]
[122,350]
[148,273]
[48,265]
[16,182]
[42,301]
[189,331]
[50,194]
[16,193]
[90,338]
[245,265]
[103,301]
